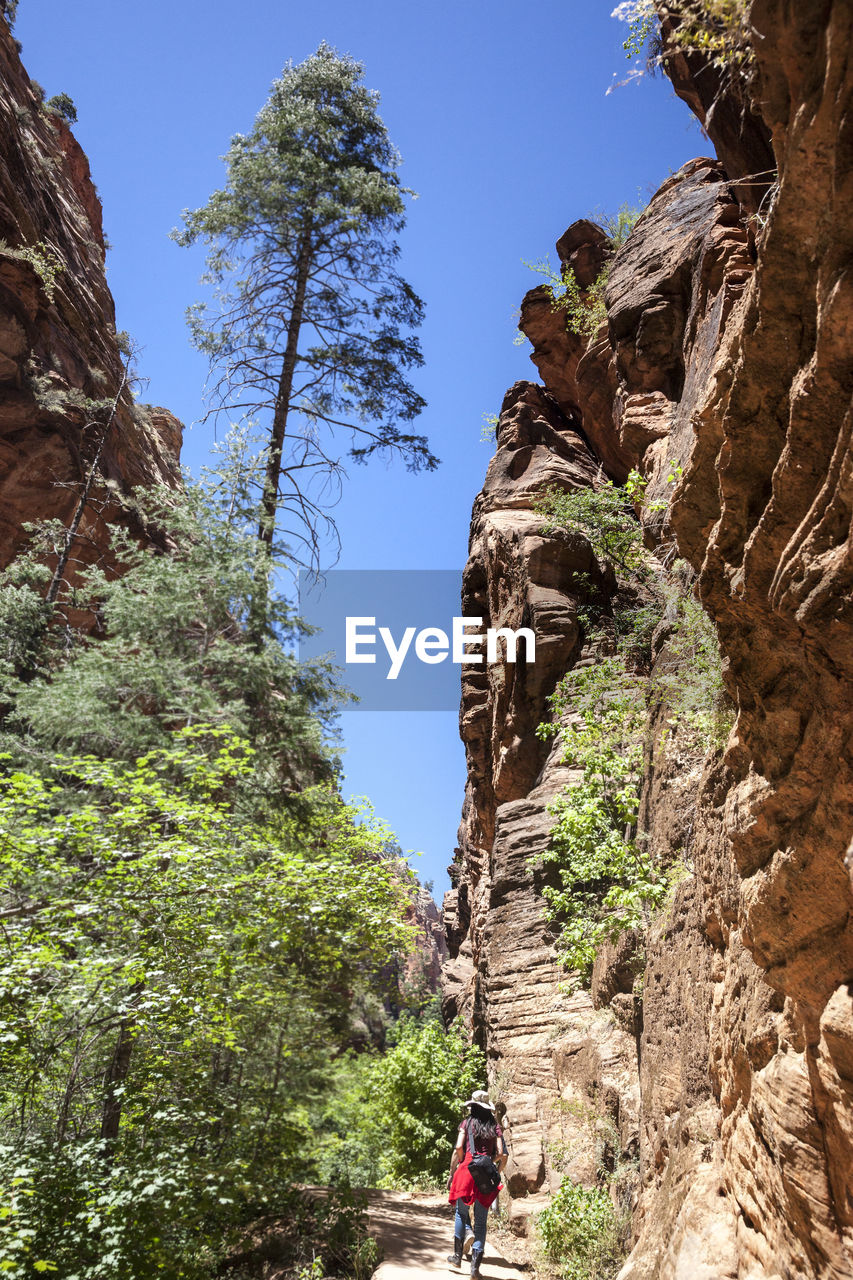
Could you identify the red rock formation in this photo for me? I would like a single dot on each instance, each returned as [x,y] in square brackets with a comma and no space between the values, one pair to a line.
[58,346]
[423,965]
[545,1049]
[727,349]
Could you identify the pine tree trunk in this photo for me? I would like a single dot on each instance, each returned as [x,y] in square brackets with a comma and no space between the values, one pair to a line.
[269,509]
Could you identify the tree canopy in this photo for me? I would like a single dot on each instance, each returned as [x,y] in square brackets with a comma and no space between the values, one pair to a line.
[310,326]
[152,637]
[172,983]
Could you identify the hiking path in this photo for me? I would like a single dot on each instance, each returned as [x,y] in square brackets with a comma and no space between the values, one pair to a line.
[416,1233]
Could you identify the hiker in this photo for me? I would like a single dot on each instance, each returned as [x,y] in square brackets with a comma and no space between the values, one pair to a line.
[479,1136]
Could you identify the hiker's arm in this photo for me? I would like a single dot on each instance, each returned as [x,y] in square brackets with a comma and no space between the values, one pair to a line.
[456,1158]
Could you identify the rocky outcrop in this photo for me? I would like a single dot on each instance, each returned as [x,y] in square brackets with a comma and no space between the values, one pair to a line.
[423,964]
[60,363]
[547,1051]
[726,363]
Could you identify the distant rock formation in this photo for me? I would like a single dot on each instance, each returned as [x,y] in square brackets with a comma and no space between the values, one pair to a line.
[727,350]
[425,963]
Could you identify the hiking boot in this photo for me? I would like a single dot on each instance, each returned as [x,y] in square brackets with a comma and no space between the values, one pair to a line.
[476,1259]
[469,1240]
[455,1258]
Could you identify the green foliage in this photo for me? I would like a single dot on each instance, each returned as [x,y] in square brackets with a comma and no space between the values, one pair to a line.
[619,225]
[172,643]
[124,342]
[581,1233]
[62,104]
[718,30]
[689,677]
[606,517]
[584,307]
[642,21]
[9,10]
[44,260]
[309,328]
[394,1118]
[605,879]
[489,429]
[607,883]
[189,968]
[420,1086]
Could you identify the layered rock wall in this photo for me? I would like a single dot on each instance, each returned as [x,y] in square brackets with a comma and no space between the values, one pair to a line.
[59,353]
[726,352]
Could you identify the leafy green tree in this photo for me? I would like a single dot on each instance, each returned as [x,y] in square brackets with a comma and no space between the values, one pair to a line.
[172,978]
[62,104]
[421,1086]
[393,1119]
[170,644]
[311,324]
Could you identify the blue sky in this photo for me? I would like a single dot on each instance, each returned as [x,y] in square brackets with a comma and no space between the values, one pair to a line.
[501,114]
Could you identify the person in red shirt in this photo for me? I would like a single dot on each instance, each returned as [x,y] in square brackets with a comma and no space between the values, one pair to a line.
[486,1138]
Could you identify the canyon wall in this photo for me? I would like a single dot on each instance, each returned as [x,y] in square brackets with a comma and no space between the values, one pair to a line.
[721,1082]
[61,363]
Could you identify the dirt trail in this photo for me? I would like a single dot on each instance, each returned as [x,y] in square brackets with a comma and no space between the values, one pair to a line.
[416,1233]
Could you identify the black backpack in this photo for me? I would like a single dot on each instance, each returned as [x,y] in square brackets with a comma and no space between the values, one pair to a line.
[483,1170]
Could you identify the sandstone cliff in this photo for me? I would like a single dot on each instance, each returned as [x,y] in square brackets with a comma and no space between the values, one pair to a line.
[726,349]
[59,351]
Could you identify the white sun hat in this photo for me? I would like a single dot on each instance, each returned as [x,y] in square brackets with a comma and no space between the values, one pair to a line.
[479,1098]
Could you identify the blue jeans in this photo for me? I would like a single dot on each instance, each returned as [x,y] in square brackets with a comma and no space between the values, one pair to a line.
[463,1223]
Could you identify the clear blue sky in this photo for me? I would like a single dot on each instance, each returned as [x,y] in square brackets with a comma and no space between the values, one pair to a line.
[501,114]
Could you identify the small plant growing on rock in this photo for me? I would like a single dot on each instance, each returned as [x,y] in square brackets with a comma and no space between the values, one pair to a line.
[584,307]
[489,429]
[604,879]
[43,259]
[717,29]
[62,104]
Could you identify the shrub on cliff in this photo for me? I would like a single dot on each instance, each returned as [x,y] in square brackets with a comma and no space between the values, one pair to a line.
[62,104]
[584,307]
[604,880]
[717,30]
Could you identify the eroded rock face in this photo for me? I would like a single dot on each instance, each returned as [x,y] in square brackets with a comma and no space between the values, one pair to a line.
[58,346]
[424,964]
[545,1049]
[727,352]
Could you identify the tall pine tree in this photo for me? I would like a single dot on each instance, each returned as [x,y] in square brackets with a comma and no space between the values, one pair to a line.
[311,328]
